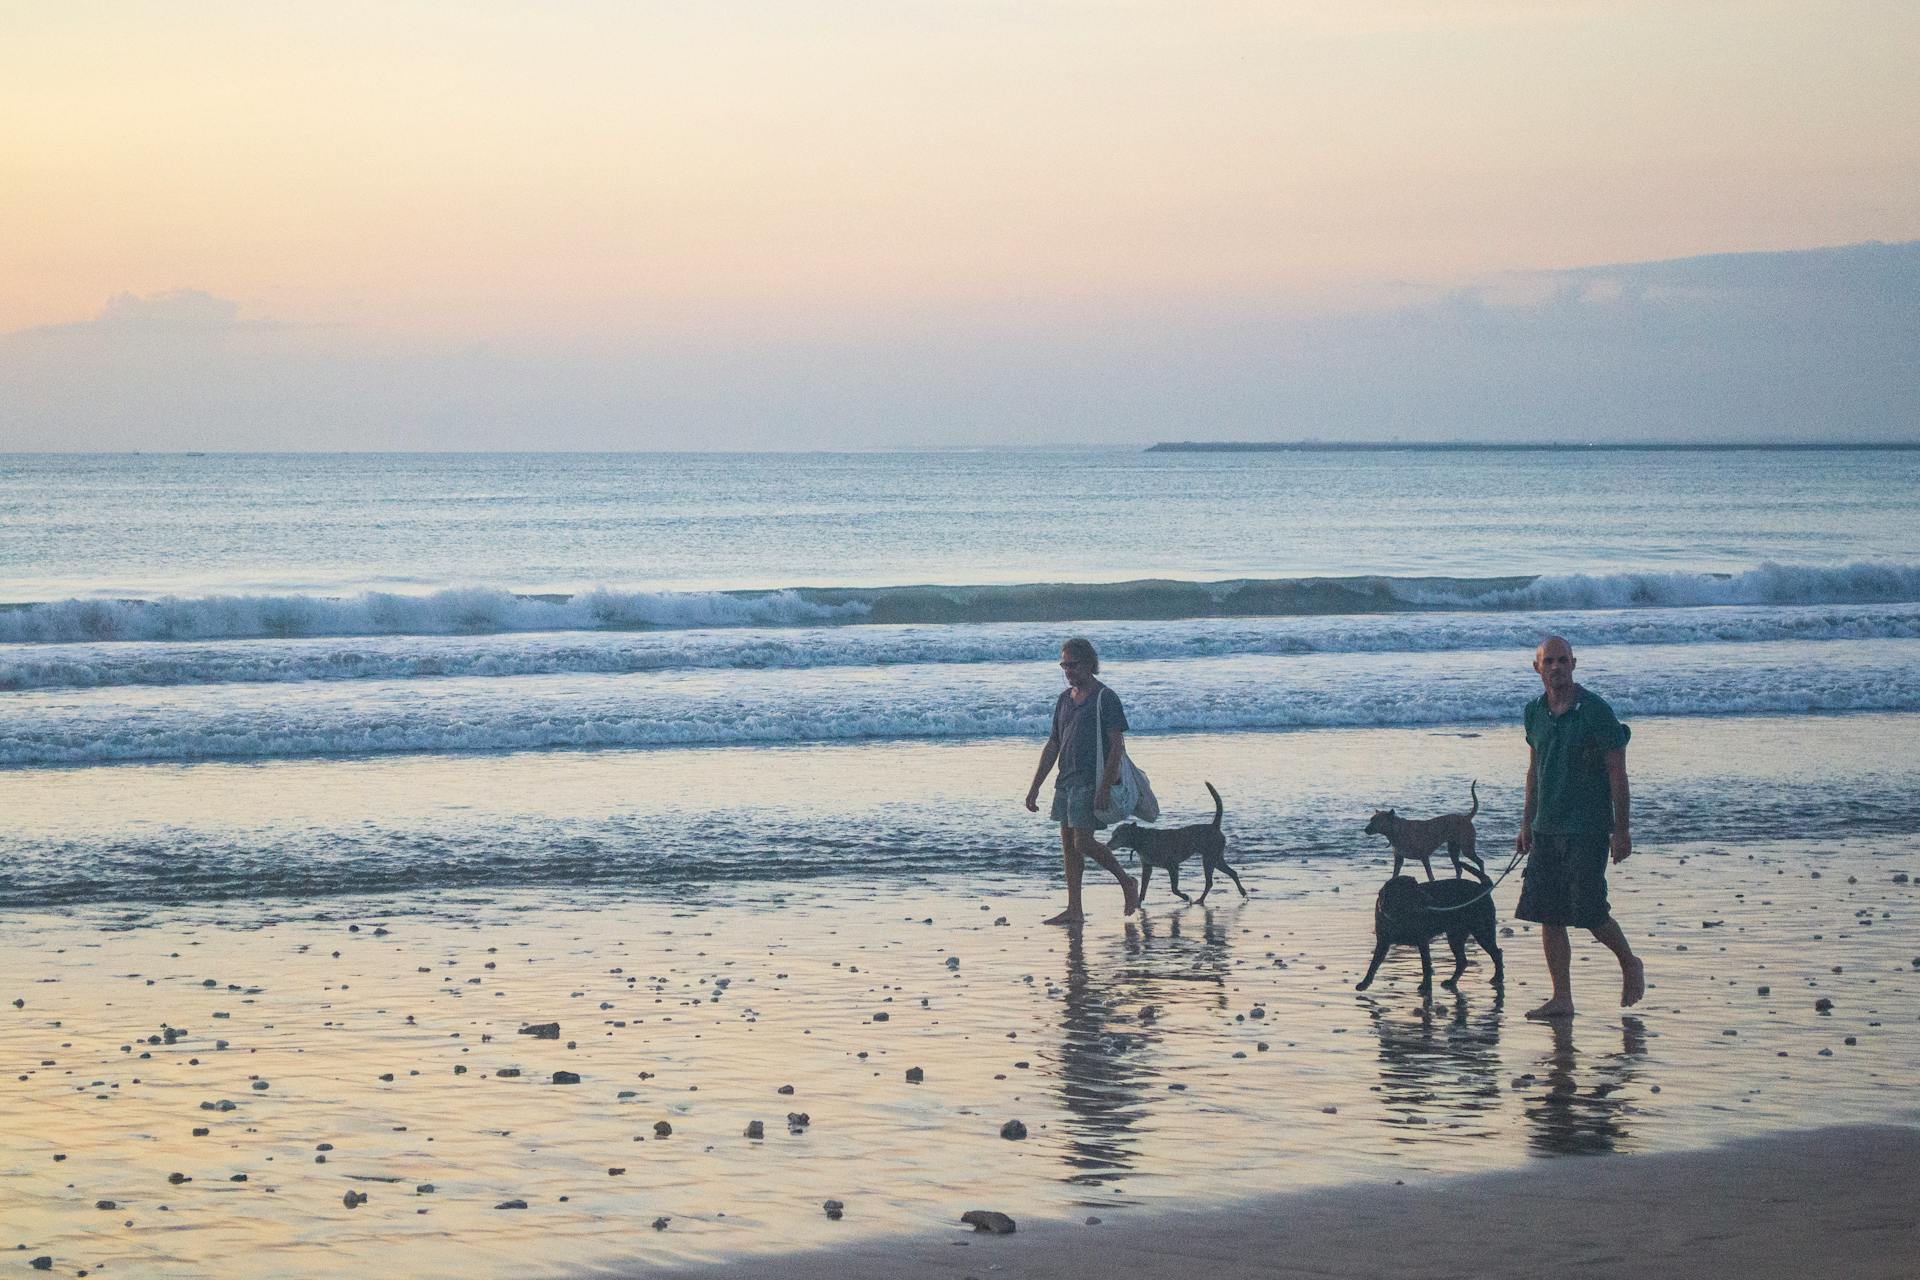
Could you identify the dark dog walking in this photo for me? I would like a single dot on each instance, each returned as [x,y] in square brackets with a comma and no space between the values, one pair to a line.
[1169,847]
[1409,913]
[1418,837]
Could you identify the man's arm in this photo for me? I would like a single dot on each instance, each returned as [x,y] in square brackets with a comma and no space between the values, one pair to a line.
[1524,840]
[1622,804]
[1048,754]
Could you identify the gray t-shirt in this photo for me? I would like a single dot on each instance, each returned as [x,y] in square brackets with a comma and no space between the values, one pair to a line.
[1073,727]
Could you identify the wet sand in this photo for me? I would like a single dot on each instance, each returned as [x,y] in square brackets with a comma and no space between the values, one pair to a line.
[1828,1202]
[196,1091]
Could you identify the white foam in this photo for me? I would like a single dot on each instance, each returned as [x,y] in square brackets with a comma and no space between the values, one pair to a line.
[831,704]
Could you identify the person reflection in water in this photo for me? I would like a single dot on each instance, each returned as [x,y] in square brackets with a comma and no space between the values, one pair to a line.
[1565,1121]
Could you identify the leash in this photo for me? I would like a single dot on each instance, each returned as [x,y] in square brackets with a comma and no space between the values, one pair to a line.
[1462,906]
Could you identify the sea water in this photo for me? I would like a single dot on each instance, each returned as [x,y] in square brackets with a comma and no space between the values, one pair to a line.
[291,677]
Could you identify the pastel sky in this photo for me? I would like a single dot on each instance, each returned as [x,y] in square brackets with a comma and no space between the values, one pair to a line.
[421,223]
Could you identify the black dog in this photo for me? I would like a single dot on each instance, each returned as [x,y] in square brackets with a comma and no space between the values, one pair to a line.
[1168,848]
[1410,913]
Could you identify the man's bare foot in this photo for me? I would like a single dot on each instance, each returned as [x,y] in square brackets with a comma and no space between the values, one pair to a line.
[1558,1007]
[1132,889]
[1065,917]
[1633,982]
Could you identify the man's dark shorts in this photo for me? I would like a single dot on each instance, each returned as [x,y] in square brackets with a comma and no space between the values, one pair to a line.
[1565,881]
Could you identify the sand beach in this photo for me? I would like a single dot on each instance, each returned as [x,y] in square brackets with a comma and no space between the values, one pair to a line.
[199,1090]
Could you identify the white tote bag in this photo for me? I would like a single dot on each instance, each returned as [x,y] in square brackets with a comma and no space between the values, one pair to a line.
[1131,795]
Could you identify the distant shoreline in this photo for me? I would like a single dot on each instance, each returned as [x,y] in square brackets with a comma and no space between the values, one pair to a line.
[1438,446]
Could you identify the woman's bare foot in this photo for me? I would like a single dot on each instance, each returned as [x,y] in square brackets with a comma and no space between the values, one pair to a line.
[1065,917]
[1633,982]
[1558,1007]
[1131,887]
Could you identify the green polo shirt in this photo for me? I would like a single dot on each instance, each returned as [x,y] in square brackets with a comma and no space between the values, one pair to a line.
[1571,795]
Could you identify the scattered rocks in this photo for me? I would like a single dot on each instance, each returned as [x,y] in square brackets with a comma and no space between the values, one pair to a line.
[915,1075]
[566,1077]
[542,1030]
[798,1120]
[354,1199]
[511,1204]
[987,1220]
[882,1017]
[788,1089]
[755,1129]
[43,1262]
[508,1073]
[105,1204]
[660,1224]
[1823,1005]
[1013,1131]
[834,1209]
[661,1129]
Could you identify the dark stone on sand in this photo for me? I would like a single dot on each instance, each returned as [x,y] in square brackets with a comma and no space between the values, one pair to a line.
[508,1073]
[798,1119]
[834,1209]
[662,1129]
[542,1030]
[105,1204]
[566,1077]
[387,1076]
[1013,1130]
[238,1177]
[755,1129]
[915,1075]
[1823,1005]
[511,1204]
[175,1179]
[1093,1222]
[41,1263]
[1766,991]
[987,1220]
[787,1088]
[660,1224]
[354,1199]
[615,1171]
[881,1017]
[200,1132]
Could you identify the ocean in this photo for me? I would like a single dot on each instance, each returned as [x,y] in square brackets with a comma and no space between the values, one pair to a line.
[289,678]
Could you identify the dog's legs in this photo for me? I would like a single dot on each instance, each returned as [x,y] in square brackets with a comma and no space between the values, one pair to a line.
[1206,870]
[1231,876]
[1173,881]
[1396,861]
[1471,854]
[1426,970]
[1146,874]
[1379,954]
[1484,935]
[1426,861]
[1453,855]
[1457,941]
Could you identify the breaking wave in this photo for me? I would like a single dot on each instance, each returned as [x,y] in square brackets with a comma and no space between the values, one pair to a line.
[471,611]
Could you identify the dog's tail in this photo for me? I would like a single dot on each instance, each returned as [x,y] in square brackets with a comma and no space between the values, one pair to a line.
[1473,789]
[1219,807]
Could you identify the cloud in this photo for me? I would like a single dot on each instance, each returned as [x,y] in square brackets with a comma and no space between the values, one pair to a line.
[1802,345]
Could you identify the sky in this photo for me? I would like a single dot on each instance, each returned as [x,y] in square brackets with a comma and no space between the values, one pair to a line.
[885,223]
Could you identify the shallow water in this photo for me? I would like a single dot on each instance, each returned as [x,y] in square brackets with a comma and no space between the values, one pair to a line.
[1119,1048]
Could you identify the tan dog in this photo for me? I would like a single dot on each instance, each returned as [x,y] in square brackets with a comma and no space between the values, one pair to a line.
[1418,838]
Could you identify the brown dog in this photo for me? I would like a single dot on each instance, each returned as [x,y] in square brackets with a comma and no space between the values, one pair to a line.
[1418,838]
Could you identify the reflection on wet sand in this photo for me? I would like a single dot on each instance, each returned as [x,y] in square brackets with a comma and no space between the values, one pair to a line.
[1567,1120]
[1439,1067]
[1109,1025]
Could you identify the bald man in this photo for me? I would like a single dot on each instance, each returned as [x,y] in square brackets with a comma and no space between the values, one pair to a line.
[1576,816]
